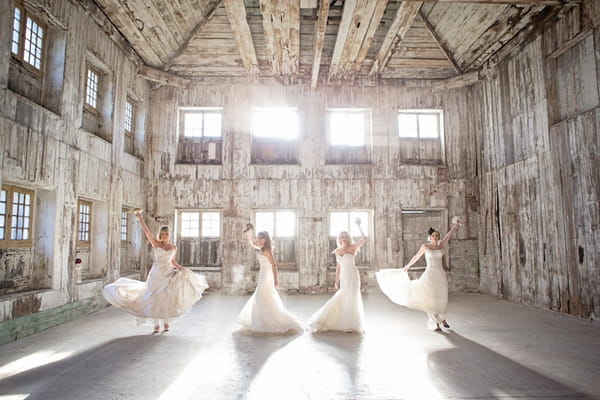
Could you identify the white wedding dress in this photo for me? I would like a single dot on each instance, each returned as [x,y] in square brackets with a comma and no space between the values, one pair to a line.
[344,311]
[264,311]
[167,293]
[428,293]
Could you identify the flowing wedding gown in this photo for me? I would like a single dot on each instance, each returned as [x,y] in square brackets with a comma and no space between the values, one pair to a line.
[344,311]
[428,293]
[167,293]
[264,311]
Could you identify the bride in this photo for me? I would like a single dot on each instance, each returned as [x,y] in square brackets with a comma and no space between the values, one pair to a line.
[169,291]
[264,311]
[428,293]
[344,311]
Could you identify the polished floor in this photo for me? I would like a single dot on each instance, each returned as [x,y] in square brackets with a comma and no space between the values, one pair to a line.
[494,350]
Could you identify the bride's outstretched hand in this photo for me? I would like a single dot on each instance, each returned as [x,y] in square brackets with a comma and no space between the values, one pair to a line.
[249,227]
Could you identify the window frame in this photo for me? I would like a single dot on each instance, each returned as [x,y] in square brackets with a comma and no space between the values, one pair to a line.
[84,244]
[418,112]
[370,234]
[125,214]
[8,243]
[198,149]
[88,107]
[366,112]
[183,111]
[275,238]
[20,56]
[200,213]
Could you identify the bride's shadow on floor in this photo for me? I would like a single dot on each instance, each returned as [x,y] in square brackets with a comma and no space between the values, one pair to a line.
[472,370]
[85,374]
[344,348]
[254,350]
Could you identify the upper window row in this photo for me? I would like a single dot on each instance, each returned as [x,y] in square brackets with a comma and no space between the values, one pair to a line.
[346,127]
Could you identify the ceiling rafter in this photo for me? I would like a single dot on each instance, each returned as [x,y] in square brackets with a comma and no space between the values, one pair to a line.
[281,24]
[191,36]
[236,12]
[353,48]
[438,41]
[403,20]
[319,41]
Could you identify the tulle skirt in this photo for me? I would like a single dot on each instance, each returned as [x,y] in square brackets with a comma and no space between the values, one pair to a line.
[264,313]
[167,294]
[429,293]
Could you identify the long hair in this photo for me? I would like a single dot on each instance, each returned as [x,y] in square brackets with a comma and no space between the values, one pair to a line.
[161,230]
[339,242]
[268,245]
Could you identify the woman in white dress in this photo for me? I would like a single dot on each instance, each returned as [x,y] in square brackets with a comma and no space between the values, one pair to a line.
[169,291]
[264,312]
[344,311]
[428,293]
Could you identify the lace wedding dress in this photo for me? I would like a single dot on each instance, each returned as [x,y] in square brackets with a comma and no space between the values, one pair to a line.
[264,311]
[344,311]
[428,293]
[167,293]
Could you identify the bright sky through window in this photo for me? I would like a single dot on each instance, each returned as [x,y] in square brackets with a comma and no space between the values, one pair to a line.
[275,123]
[344,221]
[347,128]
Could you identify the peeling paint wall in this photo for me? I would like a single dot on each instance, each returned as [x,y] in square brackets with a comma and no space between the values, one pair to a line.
[312,187]
[538,171]
[44,149]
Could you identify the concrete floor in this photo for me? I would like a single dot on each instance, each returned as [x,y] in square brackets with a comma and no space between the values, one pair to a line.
[494,350]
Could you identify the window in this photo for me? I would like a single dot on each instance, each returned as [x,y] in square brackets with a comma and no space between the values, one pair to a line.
[281,225]
[344,221]
[27,38]
[84,223]
[200,135]
[92,86]
[349,136]
[275,123]
[15,217]
[275,132]
[124,221]
[420,124]
[129,121]
[348,127]
[199,238]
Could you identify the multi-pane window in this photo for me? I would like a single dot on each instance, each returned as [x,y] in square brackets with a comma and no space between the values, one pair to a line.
[128,117]
[348,127]
[281,226]
[27,38]
[92,86]
[420,124]
[84,223]
[275,123]
[199,238]
[202,122]
[15,216]
[345,221]
[124,220]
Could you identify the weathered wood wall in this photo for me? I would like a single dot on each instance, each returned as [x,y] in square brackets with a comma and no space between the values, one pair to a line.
[44,149]
[313,187]
[536,127]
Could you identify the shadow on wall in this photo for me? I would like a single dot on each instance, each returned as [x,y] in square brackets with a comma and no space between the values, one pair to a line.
[490,375]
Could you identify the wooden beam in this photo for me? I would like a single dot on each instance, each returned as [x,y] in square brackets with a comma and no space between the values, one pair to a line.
[438,40]
[319,41]
[191,36]
[236,12]
[405,16]
[342,36]
[163,78]
[459,81]
[281,25]
[581,36]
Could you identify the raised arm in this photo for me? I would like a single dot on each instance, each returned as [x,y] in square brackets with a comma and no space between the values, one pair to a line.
[363,238]
[448,236]
[146,230]
[249,231]
[415,257]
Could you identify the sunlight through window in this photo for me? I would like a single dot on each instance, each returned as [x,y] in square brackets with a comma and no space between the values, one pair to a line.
[275,123]
[347,128]
[345,221]
[31,361]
